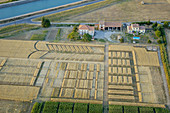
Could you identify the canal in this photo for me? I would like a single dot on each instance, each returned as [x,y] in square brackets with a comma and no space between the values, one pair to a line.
[17,10]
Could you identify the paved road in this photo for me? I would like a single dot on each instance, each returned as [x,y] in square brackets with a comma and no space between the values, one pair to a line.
[164,79]
[28,19]
[105,90]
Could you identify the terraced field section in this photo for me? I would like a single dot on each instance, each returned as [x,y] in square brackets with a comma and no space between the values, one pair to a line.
[134,76]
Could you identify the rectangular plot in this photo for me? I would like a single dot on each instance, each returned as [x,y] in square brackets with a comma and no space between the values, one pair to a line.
[90,75]
[129,70]
[69,83]
[110,54]
[100,94]
[98,67]
[89,49]
[121,92]
[120,70]
[127,54]
[73,74]
[84,84]
[123,54]
[55,92]
[110,78]
[121,97]
[115,69]
[72,66]
[125,79]
[114,54]
[66,92]
[119,79]
[63,48]
[128,62]
[91,67]
[114,79]
[119,62]
[114,61]
[120,87]
[123,62]
[83,67]
[130,80]
[72,49]
[118,54]
[124,70]
[68,48]
[86,94]
[77,49]
[3,62]
[110,61]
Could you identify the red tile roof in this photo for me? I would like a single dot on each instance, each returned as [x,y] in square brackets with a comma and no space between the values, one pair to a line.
[135,25]
[111,24]
[86,27]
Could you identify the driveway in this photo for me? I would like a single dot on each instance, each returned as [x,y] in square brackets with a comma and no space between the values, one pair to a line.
[106,35]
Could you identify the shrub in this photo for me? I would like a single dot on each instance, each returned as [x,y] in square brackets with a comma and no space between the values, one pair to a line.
[146,110]
[65,107]
[115,109]
[121,40]
[45,22]
[130,109]
[149,41]
[101,40]
[158,33]
[50,107]
[159,41]
[86,37]
[36,108]
[161,110]
[73,36]
[166,24]
[95,108]
[80,108]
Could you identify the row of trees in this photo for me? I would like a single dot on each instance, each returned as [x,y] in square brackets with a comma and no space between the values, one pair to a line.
[74,35]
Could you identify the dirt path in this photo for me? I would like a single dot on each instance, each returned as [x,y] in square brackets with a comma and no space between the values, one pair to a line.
[164,79]
[105,89]
[167,31]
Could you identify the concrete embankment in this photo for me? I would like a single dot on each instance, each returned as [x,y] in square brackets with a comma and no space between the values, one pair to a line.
[15,3]
[41,11]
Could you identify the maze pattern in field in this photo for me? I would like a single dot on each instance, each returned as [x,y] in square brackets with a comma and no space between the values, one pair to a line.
[75,48]
[122,84]
[74,80]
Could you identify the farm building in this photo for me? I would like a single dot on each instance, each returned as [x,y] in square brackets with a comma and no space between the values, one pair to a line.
[86,29]
[135,28]
[110,25]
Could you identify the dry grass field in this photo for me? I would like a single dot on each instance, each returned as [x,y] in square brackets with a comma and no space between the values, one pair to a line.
[26,93]
[130,10]
[70,72]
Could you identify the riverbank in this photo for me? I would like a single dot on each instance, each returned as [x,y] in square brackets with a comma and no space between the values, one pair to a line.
[19,2]
[44,11]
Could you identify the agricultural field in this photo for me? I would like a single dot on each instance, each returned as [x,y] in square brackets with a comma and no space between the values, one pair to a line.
[133,72]
[168,42]
[68,72]
[125,11]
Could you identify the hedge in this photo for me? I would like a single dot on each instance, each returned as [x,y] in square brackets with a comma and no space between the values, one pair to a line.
[161,110]
[65,107]
[80,108]
[50,107]
[38,37]
[130,109]
[115,109]
[95,108]
[146,110]
[36,108]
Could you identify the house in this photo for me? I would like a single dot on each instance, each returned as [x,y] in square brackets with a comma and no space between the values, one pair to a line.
[110,25]
[86,29]
[135,28]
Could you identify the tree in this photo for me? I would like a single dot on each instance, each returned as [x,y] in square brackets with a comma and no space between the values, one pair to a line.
[154,26]
[158,33]
[121,40]
[75,29]
[86,37]
[159,41]
[148,22]
[45,22]
[73,36]
[159,27]
[149,41]
[166,24]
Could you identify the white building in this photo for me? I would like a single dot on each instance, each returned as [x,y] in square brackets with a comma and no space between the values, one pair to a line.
[135,28]
[86,29]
